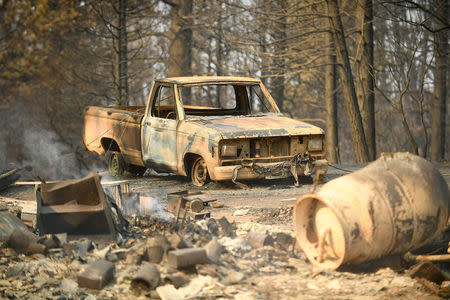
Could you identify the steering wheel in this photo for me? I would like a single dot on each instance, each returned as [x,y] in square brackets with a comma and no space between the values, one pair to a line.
[170,115]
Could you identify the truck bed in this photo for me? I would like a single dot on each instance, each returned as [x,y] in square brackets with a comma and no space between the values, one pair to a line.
[103,124]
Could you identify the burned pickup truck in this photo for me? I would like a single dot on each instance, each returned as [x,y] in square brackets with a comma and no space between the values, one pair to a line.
[218,128]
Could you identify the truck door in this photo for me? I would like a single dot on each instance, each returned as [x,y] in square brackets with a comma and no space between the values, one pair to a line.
[159,131]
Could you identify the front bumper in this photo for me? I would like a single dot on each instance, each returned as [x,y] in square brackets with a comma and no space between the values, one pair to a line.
[246,172]
[300,164]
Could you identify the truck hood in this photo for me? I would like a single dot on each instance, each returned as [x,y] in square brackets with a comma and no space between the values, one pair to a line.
[257,126]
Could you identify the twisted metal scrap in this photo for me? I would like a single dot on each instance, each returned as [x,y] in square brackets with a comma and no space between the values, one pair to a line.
[275,170]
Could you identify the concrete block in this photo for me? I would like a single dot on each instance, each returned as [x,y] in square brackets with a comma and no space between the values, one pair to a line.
[96,275]
[187,257]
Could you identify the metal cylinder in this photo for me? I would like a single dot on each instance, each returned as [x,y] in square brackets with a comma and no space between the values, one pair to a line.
[395,204]
[147,277]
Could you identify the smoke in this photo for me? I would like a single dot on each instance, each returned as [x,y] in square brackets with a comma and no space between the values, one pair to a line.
[50,158]
[140,205]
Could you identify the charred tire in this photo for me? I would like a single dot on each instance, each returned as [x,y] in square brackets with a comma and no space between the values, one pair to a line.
[199,172]
[116,163]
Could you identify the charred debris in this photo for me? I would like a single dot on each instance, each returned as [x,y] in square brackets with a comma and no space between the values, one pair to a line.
[92,241]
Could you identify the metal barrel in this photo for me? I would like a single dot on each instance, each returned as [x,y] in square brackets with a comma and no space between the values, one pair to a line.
[395,204]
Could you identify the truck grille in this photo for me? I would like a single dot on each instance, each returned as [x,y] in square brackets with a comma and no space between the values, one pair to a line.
[269,149]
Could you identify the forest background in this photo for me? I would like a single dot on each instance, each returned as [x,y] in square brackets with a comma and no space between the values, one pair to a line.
[372,73]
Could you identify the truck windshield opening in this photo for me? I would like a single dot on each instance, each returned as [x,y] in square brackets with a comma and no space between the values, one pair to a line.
[224,99]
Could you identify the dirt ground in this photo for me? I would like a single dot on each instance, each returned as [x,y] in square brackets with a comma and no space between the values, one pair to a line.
[267,273]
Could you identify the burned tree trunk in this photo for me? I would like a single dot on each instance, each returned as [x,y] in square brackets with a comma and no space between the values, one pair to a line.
[280,47]
[366,75]
[180,53]
[122,55]
[348,87]
[330,99]
[438,113]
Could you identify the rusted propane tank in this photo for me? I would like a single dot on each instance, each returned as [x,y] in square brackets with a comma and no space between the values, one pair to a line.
[395,204]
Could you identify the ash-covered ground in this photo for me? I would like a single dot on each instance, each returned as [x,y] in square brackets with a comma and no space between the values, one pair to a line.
[236,267]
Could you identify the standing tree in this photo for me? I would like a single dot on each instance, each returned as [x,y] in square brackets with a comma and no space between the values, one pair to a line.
[439,110]
[348,87]
[180,36]
[365,79]
[122,55]
[331,104]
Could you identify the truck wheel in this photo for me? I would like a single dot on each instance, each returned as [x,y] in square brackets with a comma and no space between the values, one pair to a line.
[199,172]
[116,163]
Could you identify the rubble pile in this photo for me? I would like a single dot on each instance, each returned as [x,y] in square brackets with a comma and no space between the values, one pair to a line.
[154,259]
[207,259]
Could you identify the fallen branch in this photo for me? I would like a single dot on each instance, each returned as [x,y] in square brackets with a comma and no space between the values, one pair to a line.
[438,257]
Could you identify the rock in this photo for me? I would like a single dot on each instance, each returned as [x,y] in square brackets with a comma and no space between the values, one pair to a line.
[258,240]
[232,277]
[334,284]
[112,257]
[196,285]
[102,253]
[53,240]
[136,254]
[61,239]
[4,283]
[78,249]
[69,286]
[226,228]
[168,292]
[178,242]
[213,250]
[43,281]
[177,280]
[160,240]
[16,270]
[241,212]
[212,226]
[120,253]
[236,246]
[312,286]
[402,281]
[284,241]
[48,241]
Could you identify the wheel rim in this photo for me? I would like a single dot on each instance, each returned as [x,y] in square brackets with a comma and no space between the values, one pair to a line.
[114,165]
[199,172]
